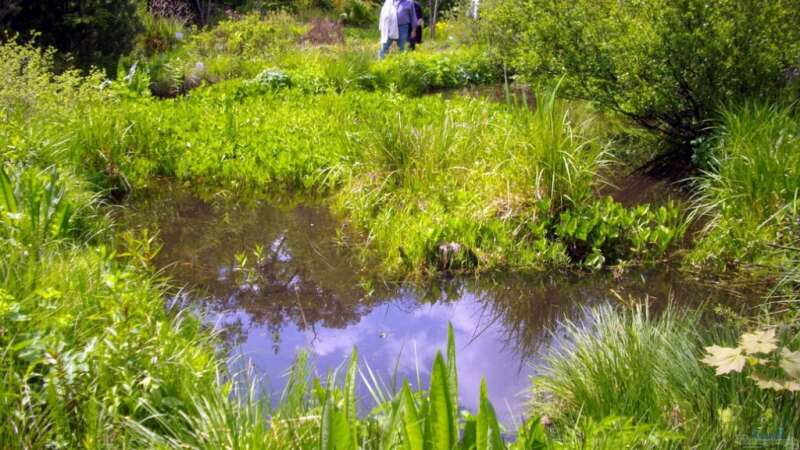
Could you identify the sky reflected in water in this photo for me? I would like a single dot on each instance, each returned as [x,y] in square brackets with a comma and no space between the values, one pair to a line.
[276,280]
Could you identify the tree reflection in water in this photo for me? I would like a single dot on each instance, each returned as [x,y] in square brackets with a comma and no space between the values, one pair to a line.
[271,269]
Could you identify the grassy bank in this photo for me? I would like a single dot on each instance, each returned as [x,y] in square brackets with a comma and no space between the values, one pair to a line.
[749,195]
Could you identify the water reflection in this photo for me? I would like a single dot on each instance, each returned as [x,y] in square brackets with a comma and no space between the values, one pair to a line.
[275,279]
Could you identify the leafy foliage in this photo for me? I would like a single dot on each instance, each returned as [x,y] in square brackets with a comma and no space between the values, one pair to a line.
[749,194]
[94,32]
[247,47]
[272,79]
[605,232]
[758,351]
[90,357]
[669,65]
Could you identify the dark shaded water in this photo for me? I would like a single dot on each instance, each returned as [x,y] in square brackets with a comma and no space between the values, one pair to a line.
[276,280]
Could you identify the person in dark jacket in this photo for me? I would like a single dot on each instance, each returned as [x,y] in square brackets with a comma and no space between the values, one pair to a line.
[417,38]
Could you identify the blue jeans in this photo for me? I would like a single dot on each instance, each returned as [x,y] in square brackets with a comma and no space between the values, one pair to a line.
[402,37]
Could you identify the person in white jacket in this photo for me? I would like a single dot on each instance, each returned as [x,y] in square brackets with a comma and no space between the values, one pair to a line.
[396,24]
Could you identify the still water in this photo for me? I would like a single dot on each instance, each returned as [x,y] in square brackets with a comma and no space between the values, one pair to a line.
[277,279]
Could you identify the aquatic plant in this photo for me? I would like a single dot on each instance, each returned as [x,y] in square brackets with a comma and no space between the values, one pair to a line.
[605,232]
[90,356]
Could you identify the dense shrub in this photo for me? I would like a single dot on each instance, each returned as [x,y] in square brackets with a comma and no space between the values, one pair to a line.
[94,32]
[667,64]
[38,107]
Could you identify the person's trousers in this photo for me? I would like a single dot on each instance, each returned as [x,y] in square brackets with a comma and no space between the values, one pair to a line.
[402,37]
[416,40]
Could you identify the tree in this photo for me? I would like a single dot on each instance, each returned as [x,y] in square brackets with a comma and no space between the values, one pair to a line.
[9,7]
[667,64]
[92,32]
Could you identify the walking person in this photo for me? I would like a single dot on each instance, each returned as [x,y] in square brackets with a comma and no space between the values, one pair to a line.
[417,39]
[397,18]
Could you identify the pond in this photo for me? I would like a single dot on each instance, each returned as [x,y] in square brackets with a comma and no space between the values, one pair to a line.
[276,279]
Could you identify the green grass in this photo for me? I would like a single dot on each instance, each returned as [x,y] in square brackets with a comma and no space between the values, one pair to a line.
[468,173]
[86,342]
[749,195]
[632,363]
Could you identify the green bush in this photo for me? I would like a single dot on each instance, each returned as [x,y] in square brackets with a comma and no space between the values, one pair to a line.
[669,65]
[93,32]
[29,87]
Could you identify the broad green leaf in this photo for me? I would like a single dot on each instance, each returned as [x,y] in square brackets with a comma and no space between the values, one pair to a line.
[326,426]
[535,437]
[350,388]
[452,372]
[759,342]
[442,427]
[725,359]
[342,431]
[393,426]
[7,193]
[488,435]
[468,438]
[320,392]
[412,428]
[335,432]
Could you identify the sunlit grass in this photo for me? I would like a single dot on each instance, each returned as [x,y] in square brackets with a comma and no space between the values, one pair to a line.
[750,195]
[635,363]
